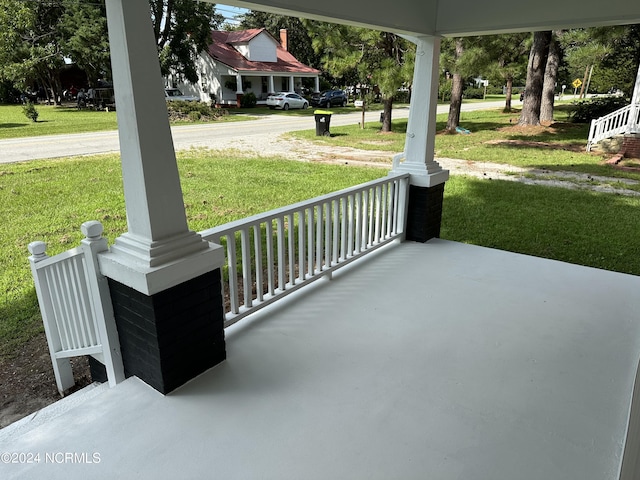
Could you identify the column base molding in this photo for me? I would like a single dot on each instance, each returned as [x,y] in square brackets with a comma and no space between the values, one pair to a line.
[120,265]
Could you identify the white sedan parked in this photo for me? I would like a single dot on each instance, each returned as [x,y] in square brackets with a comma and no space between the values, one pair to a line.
[286,100]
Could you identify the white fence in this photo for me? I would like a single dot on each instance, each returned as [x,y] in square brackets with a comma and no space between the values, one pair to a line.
[624,120]
[273,254]
[76,306]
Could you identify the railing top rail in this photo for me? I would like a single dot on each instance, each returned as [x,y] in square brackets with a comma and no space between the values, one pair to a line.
[620,111]
[60,257]
[278,212]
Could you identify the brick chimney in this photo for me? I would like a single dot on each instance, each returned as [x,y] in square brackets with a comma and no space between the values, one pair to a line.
[284,39]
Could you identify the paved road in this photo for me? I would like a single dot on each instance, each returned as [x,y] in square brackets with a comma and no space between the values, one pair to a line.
[216,135]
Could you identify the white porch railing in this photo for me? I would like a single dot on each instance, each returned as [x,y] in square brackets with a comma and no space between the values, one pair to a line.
[268,256]
[624,120]
[76,306]
[275,253]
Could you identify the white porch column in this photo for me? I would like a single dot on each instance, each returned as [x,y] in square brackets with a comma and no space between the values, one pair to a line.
[633,127]
[239,90]
[316,84]
[158,251]
[426,189]
[635,98]
[292,85]
[271,87]
[421,128]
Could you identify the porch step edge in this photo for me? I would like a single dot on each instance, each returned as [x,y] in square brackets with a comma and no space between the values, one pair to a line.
[34,420]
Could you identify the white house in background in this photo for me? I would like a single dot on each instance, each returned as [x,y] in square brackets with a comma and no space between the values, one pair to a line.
[248,61]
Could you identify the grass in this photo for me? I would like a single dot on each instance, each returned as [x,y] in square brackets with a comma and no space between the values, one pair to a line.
[49,200]
[575,226]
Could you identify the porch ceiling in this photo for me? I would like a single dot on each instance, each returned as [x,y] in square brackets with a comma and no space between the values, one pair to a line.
[456,18]
[437,360]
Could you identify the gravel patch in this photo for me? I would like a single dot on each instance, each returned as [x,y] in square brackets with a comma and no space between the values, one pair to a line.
[268,145]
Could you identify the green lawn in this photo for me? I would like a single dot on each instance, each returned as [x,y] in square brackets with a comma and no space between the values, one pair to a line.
[576,226]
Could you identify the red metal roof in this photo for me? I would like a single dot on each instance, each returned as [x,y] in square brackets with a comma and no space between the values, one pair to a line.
[222,50]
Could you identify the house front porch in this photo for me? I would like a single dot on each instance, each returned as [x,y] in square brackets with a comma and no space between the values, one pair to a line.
[438,360]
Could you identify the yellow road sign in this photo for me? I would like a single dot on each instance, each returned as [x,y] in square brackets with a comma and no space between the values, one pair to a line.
[576,83]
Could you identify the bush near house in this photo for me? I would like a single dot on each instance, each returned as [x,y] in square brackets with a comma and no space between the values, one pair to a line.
[248,100]
[193,111]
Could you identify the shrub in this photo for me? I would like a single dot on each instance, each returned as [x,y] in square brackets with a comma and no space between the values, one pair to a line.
[473,92]
[402,96]
[193,111]
[30,111]
[585,111]
[248,100]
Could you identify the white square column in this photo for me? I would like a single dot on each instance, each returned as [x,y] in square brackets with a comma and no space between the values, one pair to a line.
[421,128]
[158,251]
[426,189]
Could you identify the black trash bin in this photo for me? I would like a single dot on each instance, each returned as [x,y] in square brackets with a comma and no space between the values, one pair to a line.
[323,119]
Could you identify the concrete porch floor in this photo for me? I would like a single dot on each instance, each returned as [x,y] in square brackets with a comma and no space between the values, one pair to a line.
[430,361]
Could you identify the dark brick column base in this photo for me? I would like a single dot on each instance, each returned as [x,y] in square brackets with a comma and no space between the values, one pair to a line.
[98,370]
[424,216]
[631,145]
[173,336]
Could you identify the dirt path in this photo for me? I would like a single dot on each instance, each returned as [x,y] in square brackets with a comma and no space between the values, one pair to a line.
[301,150]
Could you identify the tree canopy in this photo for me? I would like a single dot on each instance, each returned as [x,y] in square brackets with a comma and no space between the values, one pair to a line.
[366,58]
[183,29]
[37,39]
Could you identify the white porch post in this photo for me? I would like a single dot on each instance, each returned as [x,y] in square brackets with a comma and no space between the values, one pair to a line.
[159,260]
[426,190]
[634,124]
[635,98]
[292,85]
[316,82]
[145,257]
[271,87]
[421,128]
[239,90]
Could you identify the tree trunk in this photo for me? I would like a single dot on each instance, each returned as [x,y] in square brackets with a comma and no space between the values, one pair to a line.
[584,82]
[549,86]
[530,115]
[509,93]
[456,93]
[387,104]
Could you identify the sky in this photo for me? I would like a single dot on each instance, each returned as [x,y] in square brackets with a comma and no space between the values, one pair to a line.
[229,12]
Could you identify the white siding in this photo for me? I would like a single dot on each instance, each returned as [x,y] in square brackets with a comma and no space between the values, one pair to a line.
[211,84]
[262,48]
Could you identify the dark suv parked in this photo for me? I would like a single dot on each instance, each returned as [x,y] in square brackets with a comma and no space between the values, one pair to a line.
[329,98]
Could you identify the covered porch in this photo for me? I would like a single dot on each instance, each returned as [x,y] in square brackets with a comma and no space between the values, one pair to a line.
[420,360]
[436,360]
[262,85]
